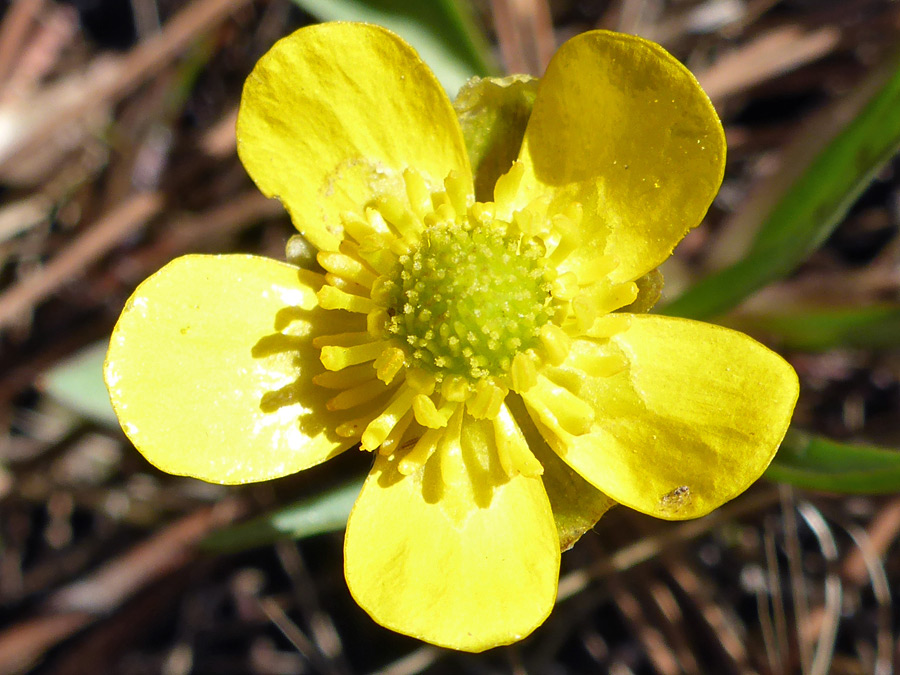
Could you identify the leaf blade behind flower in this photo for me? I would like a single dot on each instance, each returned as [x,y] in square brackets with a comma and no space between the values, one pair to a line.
[812,206]
[817,330]
[77,383]
[322,513]
[818,463]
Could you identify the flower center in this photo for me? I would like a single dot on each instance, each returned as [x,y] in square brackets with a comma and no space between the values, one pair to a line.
[446,306]
[467,298]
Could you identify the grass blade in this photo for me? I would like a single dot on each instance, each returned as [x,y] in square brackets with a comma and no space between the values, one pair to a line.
[818,463]
[325,512]
[818,330]
[811,208]
[77,383]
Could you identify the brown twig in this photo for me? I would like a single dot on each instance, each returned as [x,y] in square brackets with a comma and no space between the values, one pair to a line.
[525,34]
[651,546]
[136,67]
[86,249]
[81,603]
[769,55]
[14,30]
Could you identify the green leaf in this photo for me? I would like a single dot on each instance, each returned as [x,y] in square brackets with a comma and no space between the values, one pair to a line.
[77,383]
[876,327]
[818,463]
[810,209]
[325,512]
[442,31]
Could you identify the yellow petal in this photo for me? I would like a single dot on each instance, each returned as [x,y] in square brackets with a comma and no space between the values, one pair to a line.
[210,369]
[623,128]
[468,563]
[693,420]
[333,114]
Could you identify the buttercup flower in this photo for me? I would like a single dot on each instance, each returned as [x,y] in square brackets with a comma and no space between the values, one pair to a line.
[483,351]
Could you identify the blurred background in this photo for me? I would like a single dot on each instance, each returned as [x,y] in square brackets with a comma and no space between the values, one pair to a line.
[117,153]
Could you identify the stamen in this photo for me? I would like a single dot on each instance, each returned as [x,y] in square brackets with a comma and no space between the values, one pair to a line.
[346,267]
[335,358]
[332,298]
[400,247]
[443,211]
[459,192]
[341,340]
[376,252]
[377,322]
[603,365]
[421,452]
[378,429]
[398,215]
[349,287]
[482,213]
[346,378]
[523,372]
[363,393]
[609,325]
[556,343]
[421,381]
[507,187]
[524,222]
[471,297]
[584,313]
[389,363]
[599,270]
[574,212]
[349,248]
[439,201]
[512,448]
[606,297]
[487,400]
[453,471]
[360,228]
[569,238]
[558,407]
[430,416]
[393,440]
[417,192]
[536,211]
[353,428]
[382,291]
[565,286]
[455,388]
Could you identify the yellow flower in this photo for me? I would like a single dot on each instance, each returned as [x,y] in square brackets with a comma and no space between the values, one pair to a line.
[476,347]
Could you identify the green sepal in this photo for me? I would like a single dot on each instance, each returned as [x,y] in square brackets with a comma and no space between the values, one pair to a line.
[576,504]
[493,113]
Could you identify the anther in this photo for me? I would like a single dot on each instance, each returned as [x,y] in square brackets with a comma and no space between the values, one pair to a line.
[336,358]
[333,298]
[507,186]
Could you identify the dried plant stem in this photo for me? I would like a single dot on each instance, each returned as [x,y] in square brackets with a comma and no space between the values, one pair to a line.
[90,246]
[135,68]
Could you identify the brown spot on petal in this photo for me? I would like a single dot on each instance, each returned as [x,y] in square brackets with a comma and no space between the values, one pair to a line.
[677,498]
